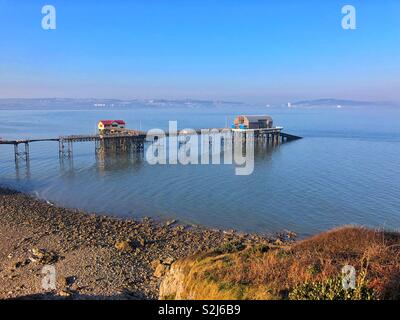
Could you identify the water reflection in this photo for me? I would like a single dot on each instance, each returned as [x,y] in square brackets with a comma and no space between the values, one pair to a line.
[66,165]
[110,160]
[22,170]
[264,151]
[119,161]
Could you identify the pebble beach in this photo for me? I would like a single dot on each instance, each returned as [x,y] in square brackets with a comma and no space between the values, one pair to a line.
[95,256]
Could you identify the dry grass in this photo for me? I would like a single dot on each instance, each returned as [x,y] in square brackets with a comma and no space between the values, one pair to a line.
[277,270]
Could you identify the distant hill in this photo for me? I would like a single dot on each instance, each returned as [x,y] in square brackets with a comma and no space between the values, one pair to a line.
[338,103]
[71,103]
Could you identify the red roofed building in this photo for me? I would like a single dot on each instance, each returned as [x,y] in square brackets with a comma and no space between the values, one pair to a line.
[110,125]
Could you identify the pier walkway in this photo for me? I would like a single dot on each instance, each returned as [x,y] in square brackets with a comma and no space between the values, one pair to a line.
[134,140]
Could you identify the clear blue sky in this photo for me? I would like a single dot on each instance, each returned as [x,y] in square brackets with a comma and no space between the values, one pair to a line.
[256,51]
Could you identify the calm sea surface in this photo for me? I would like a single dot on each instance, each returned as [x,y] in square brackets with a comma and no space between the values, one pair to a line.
[346,170]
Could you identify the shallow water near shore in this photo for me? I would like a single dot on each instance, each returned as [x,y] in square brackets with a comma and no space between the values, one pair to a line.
[345,171]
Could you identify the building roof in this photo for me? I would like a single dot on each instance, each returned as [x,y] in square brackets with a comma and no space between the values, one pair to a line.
[110,122]
[255,118]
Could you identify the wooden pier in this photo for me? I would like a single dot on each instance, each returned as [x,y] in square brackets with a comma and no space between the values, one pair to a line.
[134,140]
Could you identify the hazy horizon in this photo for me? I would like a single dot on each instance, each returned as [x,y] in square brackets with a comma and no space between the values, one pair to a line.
[322,100]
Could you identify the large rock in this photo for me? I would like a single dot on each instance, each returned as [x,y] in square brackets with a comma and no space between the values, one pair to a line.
[43,256]
[172,285]
[161,266]
[160,270]
[123,245]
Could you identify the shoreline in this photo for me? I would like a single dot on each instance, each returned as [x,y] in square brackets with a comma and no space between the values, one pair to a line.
[101,257]
[161,220]
[95,256]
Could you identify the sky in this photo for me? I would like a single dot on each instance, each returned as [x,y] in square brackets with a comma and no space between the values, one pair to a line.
[249,51]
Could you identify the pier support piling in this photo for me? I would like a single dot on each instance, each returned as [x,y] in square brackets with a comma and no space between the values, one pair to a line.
[21,155]
[65,151]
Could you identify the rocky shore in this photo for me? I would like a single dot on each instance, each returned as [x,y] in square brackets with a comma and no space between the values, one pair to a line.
[95,257]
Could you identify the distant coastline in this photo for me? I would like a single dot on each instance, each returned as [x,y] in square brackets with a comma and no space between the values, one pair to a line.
[340,103]
[95,103]
[100,104]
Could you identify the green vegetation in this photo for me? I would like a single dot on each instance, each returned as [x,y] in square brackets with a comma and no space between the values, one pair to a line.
[331,289]
[230,247]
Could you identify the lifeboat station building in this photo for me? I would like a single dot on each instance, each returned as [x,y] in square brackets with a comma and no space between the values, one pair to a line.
[110,126]
[252,122]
